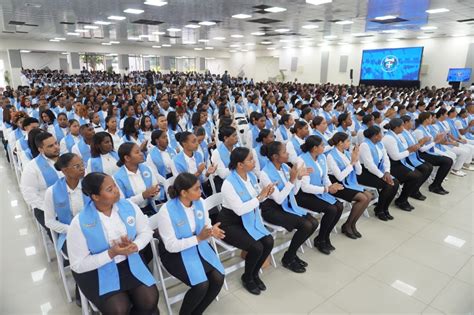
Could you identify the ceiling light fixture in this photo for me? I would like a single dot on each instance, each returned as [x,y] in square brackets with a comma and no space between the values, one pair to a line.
[114,42]
[219,38]
[81,31]
[144,36]
[275,9]
[209,48]
[266,42]
[258,33]
[282,30]
[102,23]
[64,53]
[203,40]
[91,27]
[390,31]
[428,28]
[197,48]
[241,16]
[107,44]
[236,35]
[385,17]
[345,22]
[156,3]
[73,34]
[116,17]
[25,51]
[318,2]
[192,26]
[244,50]
[155,46]
[54,40]
[133,11]
[234,45]
[166,45]
[310,27]
[434,11]
[59,38]
[330,37]
[233,51]
[173,29]
[207,23]
[250,44]
[159,33]
[271,48]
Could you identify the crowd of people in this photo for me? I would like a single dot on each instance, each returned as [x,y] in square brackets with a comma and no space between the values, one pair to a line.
[100,153]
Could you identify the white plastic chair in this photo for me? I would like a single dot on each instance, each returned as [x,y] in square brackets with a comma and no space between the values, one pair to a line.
[86,306]
[61,258]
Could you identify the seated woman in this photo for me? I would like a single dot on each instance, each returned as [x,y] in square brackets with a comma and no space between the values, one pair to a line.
[185,228]
[283,133]
[191,161]
[281,208]
[265,136]
[204,146]
[71,138]
[136,181]
[65,199]
[60,128]
[316,190]
[320,129]
[103,243]
[240,216]
[83,147]
[111,128]
[376,171]
[300,131]
[131,133]
[103,157]
[343,168]
[221,156]
[161,155]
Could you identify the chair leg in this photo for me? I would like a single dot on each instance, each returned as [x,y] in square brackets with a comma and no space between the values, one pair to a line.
[44,239]
[84,303]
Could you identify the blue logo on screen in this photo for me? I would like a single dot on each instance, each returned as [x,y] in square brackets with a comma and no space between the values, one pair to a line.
[389,63]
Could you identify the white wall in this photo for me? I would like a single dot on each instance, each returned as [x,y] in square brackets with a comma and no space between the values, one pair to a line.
[41,60]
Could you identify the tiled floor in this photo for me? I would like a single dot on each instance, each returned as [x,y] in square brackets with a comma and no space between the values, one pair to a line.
[419,263]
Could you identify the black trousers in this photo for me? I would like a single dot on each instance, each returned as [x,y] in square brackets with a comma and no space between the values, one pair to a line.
[411,180]
[386,192]
[443,162]
[332,212]
[39,215]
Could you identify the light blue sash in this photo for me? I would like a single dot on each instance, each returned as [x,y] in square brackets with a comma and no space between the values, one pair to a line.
[296,146]
[414,159]
[224,154]
[351,180]
[401,148]
[85,150]
[97,164]
[317,176]
[50,175]
[378,160]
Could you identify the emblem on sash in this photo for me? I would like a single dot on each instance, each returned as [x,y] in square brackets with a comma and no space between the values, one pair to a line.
[146,174]
[199,215]
[131,221]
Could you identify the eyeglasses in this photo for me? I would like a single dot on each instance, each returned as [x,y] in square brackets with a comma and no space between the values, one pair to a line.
[77,166]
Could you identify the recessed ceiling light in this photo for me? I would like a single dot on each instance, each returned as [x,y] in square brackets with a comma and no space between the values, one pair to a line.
[134,38]
[234,45]
[233,51]
[236,35]
[148,56]
[144,36]
[54,40]
[343,43]
[203,40]
[166,45]
[434,11]
[64,53]
[207,23]
[423,37]
[173,29]
[241,16]
[81,31]
[209,48]
[159,33]
[188,42]
[309,26]
[287,47]
[303,46]
[25,51]
[155,46]
[59,38]
[318,2]
[156,3]
[192,26]
[133,11]
[112,55]
[275,9]
[385,17]
[107,44]
[258,33]
[392,39]
[390,31]
[219,38]
[282,30]
[266,42]
[197,48]
[330,37]
[345,22]
[428,28]
[114,42]
[209,58]
[271,48]
[244,50]
[116,17]
[91,27]
[250,44]
[286,40]
[102,23]
[73,34]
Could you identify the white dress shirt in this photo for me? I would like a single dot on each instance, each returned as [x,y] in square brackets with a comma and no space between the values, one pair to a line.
[280,195]
[306,185]
[166,160]
[392,148]
[109,164]
[418,134]
[192,166]
[222,171]
[62,144]
[365,157]
[32,184]
[138,186]
[76,202]
[231,199]
[168,235]
[80,257]
[279,136]
[290,148]
[116,139]
[75,149]
[334,170]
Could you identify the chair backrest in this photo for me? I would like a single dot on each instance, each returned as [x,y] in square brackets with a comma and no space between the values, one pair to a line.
[168,183]
[153,221]
[213,201]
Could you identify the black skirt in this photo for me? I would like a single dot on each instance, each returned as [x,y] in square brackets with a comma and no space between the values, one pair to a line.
[346,194]
[273,213]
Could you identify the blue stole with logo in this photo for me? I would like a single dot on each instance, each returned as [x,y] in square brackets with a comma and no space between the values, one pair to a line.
[255,131]
[464,123]
[50,175]
[426,133]
[414,159]
[122,180]
[23,143]
[96,162]
[283,132]
[85,150]
[205,150]
[317,176]
[296,146]
[318,133]
[262,160]
[191,256]
[224,154]
[328,118]
[401,148]
[351,180]
[157,159]
[378,160]
[62,207]
[108,274]
[173,143]
[434,132]
[59,132]
[69,140]
[452,127]
[275,177]
[252,220]
[182,165]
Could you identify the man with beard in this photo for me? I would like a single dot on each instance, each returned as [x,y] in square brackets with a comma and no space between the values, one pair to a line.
[39,174]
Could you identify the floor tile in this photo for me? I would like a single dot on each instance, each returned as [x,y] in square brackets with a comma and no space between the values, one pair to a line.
[456,298]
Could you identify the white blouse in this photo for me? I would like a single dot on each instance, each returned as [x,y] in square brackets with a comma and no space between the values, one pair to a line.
[109,164]
[222,171]
[290,148]
[80,257]
[306,185]
[231,199]
[138,186]
[333,169]
[168,235]
[280,195]
[365,157]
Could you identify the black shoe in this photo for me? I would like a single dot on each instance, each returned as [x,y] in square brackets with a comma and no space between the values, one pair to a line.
[404,205]
[445,191]
[250,285]
[322,247]
[259,283]
[301,262]
[437,190]
[418,196]
[292,264]
[347,233]
[356,233]
[329,245]
[388,215]
[382,216]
